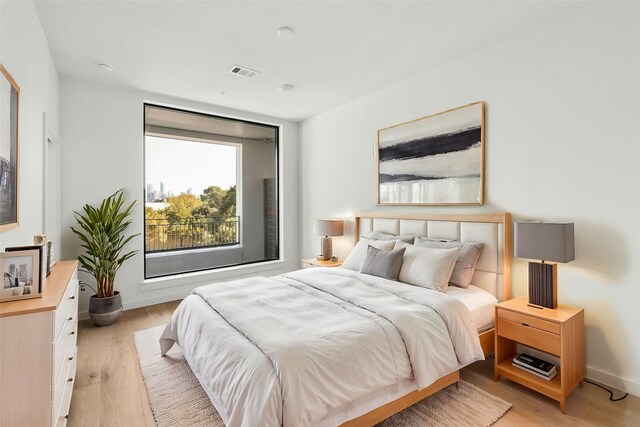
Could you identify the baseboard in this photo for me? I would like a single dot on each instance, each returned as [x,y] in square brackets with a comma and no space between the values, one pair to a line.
[611,380]
[146,302]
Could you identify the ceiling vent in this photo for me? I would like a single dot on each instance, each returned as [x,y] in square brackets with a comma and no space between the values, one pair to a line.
[243,71]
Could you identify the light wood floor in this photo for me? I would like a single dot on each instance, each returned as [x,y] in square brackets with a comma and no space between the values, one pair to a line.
[109,390]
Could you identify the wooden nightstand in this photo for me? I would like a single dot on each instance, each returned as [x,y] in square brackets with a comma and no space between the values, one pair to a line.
[312,262]
[558,331]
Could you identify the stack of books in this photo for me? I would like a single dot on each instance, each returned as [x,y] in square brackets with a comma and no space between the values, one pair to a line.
[535,366]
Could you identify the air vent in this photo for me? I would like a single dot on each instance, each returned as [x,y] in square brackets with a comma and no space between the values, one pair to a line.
[243,71]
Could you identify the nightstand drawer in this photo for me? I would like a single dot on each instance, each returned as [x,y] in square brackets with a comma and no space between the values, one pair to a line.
[529,335]
[545,325]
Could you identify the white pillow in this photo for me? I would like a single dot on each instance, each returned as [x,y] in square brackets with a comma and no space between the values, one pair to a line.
[427,267]
[465,264]
[378,235]
[359,252]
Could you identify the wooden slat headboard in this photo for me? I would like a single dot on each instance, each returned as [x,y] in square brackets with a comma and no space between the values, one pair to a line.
[493,272]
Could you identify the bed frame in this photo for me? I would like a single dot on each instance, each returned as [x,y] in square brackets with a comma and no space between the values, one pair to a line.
[493,274]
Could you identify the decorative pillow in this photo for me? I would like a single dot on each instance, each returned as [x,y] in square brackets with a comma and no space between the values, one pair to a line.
[384,264]
[427,267]
[466,262]
[378,235]
[434,239]
[359,252]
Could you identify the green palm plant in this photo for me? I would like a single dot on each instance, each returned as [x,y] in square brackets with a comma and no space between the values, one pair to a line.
[102,232]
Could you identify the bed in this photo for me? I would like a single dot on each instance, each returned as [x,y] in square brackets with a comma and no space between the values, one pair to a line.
[330,346]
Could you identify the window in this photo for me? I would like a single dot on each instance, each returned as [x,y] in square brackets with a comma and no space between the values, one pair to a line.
[211,192]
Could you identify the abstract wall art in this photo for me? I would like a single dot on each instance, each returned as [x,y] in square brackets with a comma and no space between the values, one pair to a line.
[433,160]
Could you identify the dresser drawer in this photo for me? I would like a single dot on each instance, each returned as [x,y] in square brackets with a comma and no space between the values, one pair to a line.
[69,300]
[63,401]
[66,342]
[67,376]
[545,325]
[529,335]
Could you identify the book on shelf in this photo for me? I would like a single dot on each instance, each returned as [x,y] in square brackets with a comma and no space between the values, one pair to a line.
[532,372]
[531,368]
[538,365]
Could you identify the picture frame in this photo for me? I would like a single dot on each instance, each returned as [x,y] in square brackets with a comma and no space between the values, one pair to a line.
[42,251]
[20,275]
[436,160]
[9,151]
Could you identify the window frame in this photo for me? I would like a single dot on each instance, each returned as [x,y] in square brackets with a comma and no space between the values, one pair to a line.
[239,177]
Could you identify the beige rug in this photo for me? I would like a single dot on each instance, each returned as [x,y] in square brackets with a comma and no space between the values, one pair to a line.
[177,399]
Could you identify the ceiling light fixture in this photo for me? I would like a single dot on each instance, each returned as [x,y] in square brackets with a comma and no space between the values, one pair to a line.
[286,88]
[105,67]
[286,32]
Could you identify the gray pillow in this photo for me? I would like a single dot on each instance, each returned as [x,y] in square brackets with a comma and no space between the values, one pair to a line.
[378,235]
[465,263]
[384,264]
[359,253]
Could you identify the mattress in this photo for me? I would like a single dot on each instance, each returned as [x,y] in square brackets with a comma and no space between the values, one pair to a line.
[480,302]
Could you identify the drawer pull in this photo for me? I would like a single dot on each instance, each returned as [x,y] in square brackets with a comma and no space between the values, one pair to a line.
[70,379]
[70,357]
[525,324]
[72,297]
[72,333]
[70,318]
[66,417]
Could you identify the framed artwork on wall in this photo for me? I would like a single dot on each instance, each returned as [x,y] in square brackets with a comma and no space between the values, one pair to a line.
[433,160]
[9,151]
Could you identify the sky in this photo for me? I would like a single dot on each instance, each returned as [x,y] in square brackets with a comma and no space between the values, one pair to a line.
[186,164]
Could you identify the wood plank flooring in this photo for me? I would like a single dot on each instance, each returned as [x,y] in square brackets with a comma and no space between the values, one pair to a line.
[109,390]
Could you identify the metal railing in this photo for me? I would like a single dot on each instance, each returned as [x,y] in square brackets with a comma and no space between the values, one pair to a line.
[164,235]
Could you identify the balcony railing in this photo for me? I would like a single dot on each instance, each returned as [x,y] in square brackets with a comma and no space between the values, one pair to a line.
[164,235]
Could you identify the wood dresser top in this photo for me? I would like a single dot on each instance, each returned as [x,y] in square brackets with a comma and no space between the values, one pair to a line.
[55,285]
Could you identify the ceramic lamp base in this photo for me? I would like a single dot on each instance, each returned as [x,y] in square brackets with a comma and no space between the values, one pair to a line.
[327,247]
[543,290]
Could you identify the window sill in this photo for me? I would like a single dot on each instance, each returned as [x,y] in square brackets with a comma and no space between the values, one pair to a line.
[199,278]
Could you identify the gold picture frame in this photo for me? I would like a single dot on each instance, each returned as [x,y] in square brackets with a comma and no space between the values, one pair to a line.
[436,160]
[9,151]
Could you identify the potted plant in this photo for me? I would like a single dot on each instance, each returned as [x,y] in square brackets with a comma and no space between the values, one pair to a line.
[102,232]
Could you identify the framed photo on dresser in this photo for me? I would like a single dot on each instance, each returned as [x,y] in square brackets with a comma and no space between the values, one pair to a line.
[21,271]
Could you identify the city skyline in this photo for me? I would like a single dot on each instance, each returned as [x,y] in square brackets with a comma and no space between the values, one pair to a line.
[181,165]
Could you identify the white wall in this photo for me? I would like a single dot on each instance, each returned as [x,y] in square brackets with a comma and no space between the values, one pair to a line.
[25,54]
[563,109]
[102,129]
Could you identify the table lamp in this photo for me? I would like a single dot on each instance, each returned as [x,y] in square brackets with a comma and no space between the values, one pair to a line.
[545,242]
[326,228]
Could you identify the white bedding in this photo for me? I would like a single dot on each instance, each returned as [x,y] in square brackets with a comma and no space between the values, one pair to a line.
[312,347]
[480,303]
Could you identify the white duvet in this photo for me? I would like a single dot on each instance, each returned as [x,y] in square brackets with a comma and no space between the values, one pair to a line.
[307,346]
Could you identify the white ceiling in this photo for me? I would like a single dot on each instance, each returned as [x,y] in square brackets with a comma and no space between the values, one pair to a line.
[341,50]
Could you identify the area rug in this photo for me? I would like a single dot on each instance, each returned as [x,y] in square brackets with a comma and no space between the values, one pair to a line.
[177,399]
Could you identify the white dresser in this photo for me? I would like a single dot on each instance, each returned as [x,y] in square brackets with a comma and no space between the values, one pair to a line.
[38,352]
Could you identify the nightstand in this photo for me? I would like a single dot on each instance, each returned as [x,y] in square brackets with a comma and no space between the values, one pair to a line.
[558,331]
[312,262]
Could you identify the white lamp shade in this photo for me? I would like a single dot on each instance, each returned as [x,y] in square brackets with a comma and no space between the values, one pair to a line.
[328,227]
